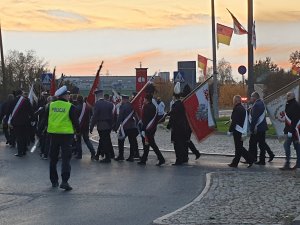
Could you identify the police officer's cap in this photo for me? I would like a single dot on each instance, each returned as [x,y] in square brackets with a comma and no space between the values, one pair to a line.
[62,91]
[125,96]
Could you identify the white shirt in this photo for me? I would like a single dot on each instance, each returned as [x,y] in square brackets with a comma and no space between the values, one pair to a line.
[161,109]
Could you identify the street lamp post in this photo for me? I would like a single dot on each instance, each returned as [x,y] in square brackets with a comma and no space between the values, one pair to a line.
[250,49]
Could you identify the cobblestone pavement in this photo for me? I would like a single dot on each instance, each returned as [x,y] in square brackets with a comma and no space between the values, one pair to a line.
[270,197]
[217,144]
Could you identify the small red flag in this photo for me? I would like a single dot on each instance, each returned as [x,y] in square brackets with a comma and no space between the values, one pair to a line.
[202,64]
[237,27]
[91,97]
[53,83]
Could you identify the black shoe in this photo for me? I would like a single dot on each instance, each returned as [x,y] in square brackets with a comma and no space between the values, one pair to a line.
[18,155]
[119,158]
[93,157]
[261,163]
[45,157]
[96,157]
[55,184]
[271,157]
[197,155]
[250,164]
[66,186]
[130,159]
[7,142]
[105,161]
[232,165]
[141,163]
[161,162]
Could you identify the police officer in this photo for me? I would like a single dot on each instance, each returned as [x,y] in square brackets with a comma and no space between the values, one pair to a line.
[20,115]
[62,124]
[103,118]
[127,128]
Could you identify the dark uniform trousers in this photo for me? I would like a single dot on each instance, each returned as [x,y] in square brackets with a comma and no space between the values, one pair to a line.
[181,150]
[131,134]
[105,144]
[152,144]
[86,139]
[21,133]
[240,151]
[260,138]
[45,144]
[63,142]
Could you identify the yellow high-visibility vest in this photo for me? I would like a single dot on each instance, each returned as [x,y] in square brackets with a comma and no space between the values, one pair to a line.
[59,121]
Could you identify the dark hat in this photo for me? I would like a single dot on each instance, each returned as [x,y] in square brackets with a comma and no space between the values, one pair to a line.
[125,96]
[98,92]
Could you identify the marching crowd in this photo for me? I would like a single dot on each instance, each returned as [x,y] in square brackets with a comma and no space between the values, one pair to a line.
[60,123]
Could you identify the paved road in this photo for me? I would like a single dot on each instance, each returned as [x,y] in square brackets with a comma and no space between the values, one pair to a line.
[119,193]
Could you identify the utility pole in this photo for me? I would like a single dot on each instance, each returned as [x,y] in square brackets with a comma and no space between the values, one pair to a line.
[250,49]
[215,72]
[2,63]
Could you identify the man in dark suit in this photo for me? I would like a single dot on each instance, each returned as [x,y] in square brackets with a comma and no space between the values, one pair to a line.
[238,118]
[4,118]
[20,115]
[127,128]
[103,118]
[148,131]
[258,128]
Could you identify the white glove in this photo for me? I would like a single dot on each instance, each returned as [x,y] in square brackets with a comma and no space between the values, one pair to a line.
[229,133]
[143,133]
[289,135]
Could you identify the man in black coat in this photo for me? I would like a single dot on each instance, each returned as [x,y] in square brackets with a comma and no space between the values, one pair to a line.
[291,130]
[21,114]
[127,128]
[4,119]
[148,131]
[103,118]
[238,117]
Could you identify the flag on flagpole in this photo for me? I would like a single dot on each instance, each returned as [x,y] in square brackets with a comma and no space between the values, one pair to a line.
[32,96]
[91,97]
[202,64]
[53,83]
[275,105]
[198,111]
[295,70]
[138,101]
[224,34]
[253,37]
[237,27]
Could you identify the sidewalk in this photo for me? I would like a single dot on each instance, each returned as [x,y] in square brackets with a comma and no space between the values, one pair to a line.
[258,195]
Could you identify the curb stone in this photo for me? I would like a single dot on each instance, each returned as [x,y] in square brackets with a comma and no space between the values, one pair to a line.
[160,220]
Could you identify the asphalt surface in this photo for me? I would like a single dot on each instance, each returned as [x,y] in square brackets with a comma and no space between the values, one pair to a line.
[117,193]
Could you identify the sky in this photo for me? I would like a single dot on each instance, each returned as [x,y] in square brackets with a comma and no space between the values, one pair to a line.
[75,36]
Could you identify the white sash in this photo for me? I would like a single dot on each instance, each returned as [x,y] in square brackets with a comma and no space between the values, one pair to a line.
[82,112]
[244,129]
[121,134]
[16,108]
[152,121]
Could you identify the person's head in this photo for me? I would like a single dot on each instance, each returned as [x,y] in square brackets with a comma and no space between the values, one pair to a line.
[148,98]
[125,98]
[290,96]
[254,96]
[99,94]
[63,93]
[10,97]
[18,92]
[236,100]
[106,97]
[158,100]
[80,99]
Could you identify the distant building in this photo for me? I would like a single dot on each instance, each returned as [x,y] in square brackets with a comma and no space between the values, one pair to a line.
[186,73]
[165,76]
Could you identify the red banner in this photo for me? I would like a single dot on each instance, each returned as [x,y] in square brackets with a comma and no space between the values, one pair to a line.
[199,113]
[141,78]
[53,83]
[91,96]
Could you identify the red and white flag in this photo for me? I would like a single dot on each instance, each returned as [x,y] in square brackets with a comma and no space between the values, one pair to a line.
[237,27]
[199,113]
[138,101]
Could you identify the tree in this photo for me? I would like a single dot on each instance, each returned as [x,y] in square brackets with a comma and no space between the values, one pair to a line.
[295,58]
[23,68]
[225,72]
[263,68]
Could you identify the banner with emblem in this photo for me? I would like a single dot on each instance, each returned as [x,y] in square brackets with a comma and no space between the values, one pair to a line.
[275,105]
[199,112]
